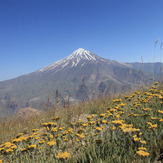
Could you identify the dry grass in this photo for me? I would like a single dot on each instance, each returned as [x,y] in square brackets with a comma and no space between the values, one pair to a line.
[12,125]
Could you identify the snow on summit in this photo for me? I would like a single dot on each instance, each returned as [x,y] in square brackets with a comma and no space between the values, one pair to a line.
[72,60]
[81,54]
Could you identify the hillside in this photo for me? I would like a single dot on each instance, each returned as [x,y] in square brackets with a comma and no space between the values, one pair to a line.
[119,128]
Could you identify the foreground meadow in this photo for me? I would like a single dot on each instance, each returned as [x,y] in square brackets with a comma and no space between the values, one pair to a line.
[128,129]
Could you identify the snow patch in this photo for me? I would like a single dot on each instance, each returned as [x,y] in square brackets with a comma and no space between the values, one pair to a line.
[81,54]
[65,64]
[82,64]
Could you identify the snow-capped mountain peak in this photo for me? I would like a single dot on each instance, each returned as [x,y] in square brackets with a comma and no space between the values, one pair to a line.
[72,60]
[81,54]
[80,51]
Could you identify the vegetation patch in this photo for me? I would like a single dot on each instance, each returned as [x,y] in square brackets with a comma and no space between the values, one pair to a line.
[128,129]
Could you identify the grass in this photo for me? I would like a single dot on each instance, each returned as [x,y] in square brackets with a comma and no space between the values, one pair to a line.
[117,128]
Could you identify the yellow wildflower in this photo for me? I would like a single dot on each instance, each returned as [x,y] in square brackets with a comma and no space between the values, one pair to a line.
[63,156]
[92,122]
[85,124]
[77,140]
[20,134]
[58,135]
[142,153]
[113,128]
[112,110]
[160,97]
[14,147]
[51,143]
[102,115]
[135,129]
[70,130]
[116,107]
[99,128]
[89,117]
[149,123]
[93,115]
[55,129]
[42,141]
[81,136]
[136,139]
[121,112]
[49,124]
[65,139]
[7,144]
[140,133]
[146,109]
[118,116]
[32,146]
[9,151]
[23,150]
[130,114]
[116,100]
[73,124]
[134,136]
[155,83]
[44,124]
[135,115]
[153,87]
[97,120]
[51,136]
[142,149]
[143,142]
[160,111]
[153,118]
[153,126]
[65,132]
[17,140]
[104,121]
[126,97]
[129,129]
[122,104]
[117,122]
[61,128]
[110,114]
[56,118]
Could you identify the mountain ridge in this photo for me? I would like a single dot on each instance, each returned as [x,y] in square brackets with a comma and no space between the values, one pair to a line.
[100,76]
[78,56]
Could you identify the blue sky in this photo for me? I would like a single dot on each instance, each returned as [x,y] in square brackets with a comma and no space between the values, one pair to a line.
[36,33]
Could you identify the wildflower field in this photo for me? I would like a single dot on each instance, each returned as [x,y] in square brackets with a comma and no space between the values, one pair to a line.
[128,129]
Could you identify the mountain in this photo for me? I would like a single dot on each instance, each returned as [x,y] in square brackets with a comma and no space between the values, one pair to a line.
[79,76]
